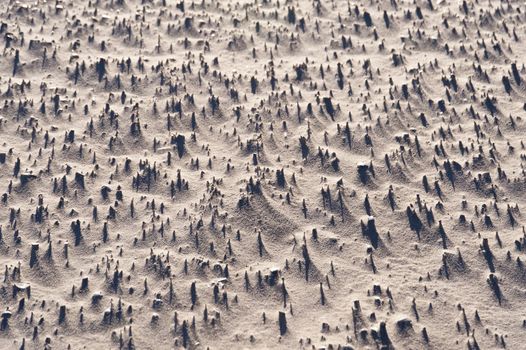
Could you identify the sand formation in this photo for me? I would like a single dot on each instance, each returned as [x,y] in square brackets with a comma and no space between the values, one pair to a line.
[262,174]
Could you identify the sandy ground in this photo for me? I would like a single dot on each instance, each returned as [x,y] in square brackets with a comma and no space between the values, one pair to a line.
[262,174]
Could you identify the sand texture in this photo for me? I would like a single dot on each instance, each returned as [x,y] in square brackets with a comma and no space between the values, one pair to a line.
[262,174]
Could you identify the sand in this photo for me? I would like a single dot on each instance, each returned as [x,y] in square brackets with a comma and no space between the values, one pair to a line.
[262,174]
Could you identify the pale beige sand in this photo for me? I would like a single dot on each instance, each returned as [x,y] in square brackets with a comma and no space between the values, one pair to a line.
[187,174]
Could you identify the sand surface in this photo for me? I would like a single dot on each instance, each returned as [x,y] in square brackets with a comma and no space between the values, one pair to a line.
[262,174]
